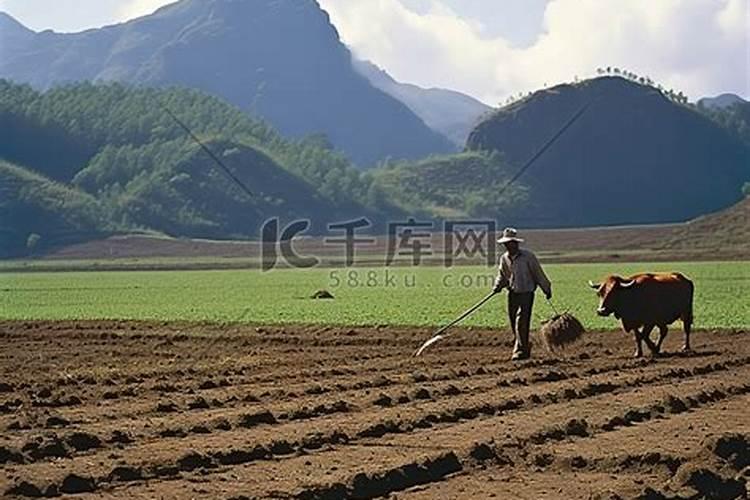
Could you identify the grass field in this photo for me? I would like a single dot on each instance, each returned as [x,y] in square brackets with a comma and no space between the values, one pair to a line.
[396,296]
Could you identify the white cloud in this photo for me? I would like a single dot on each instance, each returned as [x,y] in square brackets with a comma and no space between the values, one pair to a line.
[698,46]
[138,8]
[62,15]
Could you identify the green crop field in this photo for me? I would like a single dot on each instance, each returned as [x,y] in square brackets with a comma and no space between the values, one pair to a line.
[378,296]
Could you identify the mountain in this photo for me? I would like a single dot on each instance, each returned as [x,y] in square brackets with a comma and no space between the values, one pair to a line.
[12,32]
[451,113]
[278,59]
[89,159]
[634,156]
[720,101]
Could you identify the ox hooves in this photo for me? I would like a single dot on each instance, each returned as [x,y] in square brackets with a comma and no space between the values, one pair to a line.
[686,348]
[654,354]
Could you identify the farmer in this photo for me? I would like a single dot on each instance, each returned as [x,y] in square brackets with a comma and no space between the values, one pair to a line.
[521,273]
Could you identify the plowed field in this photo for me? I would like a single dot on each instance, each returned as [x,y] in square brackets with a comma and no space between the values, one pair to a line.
[150,410]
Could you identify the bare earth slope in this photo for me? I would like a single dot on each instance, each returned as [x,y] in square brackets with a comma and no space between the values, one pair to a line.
[723,235]
[727,228]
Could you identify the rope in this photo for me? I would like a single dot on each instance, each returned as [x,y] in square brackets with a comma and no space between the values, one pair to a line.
[539,153]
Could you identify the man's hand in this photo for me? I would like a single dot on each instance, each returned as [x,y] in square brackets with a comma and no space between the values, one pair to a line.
[497,288]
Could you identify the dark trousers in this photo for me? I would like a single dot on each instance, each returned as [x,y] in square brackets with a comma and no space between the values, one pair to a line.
[519,314]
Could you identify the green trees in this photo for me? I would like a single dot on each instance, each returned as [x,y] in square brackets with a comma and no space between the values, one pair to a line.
[462,185]
[734,118]
[94,159]
[117,148]
[36,212]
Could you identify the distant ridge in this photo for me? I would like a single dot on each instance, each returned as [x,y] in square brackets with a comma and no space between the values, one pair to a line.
[451,113]
[721,101]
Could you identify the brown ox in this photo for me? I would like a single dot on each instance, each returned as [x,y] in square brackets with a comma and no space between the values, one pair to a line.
[644,301]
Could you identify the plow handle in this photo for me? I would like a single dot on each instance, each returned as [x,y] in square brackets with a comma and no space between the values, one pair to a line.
[437,335]
[466,313]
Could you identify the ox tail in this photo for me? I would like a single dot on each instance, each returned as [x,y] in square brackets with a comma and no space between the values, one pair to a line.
[687,318]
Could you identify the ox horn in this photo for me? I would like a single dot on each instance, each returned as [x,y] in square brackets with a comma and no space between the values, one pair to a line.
[593,285]
[627,284]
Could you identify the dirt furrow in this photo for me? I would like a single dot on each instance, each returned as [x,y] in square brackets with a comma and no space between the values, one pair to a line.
[413,439]
[144,410]
[424,408]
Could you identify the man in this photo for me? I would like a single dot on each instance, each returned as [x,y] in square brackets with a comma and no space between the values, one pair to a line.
[521,273]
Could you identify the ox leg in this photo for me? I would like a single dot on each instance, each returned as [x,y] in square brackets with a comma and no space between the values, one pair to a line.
[643,336]
[687,324]
[662,335]
[647,339]
[638,335]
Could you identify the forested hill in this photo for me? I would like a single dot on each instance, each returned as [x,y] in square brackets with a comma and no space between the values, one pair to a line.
[634,156]
[86,160]
[278,59]
[95,158]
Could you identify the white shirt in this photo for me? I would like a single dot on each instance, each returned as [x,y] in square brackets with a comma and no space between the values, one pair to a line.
[522,273]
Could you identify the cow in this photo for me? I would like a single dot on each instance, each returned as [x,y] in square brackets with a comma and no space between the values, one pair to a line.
[647,300]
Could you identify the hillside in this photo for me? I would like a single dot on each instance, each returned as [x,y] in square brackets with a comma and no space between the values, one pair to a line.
[36,211]
[726,231]
[633,157]
[734,117]
[115,148]
[451,113]
[452,186]
[278,59]
[724,235]
[106,159]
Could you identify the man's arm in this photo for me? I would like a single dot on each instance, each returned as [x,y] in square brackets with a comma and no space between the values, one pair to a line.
[503,276]
[540,278]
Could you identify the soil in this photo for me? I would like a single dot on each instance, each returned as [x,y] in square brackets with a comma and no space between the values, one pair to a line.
[171,410]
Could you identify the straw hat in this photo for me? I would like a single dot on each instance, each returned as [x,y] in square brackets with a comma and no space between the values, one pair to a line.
[509,234]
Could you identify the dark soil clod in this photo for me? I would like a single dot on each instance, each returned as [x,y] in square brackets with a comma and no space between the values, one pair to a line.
[482,452]
[56,422]
[25,489]
[383,400]
[125,474]
[73,484]
[50,446]
[194,460]
[253,419]
[82,441]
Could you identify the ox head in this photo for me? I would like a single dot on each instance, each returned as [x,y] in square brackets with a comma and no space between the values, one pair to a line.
[610,293]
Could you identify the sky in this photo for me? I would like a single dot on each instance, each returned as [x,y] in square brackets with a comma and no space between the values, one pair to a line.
[493,49]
